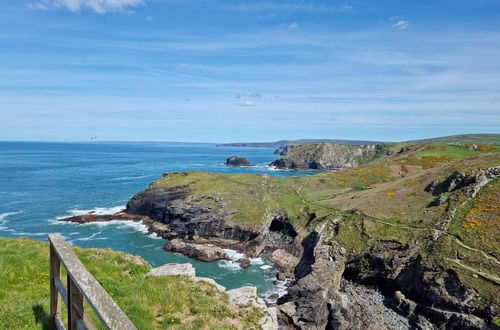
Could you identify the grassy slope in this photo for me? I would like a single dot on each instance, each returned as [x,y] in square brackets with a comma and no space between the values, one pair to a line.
[150,302]
[390,202]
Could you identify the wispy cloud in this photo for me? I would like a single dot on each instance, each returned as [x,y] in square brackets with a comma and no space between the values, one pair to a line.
[247,104]
[98,6]
[400,23]
[288,5]
[292,26]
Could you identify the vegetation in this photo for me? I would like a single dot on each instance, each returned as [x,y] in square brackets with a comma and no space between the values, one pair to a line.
[173,302]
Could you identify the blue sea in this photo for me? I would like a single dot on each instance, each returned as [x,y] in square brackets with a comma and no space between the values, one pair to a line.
[43,182]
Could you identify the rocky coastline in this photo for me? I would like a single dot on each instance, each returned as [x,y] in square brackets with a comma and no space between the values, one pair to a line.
[395,286]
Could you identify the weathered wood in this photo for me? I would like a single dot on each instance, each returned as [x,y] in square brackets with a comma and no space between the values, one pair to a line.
[75,305]
[62,290]
[58,323]
[101,302]
[55,272]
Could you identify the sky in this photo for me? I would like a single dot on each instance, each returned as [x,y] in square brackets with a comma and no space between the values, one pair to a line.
[248,70]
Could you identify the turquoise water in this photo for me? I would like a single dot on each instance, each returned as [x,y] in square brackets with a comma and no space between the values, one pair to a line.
[41,182]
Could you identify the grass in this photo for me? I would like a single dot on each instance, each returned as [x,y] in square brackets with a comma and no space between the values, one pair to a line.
[173,302]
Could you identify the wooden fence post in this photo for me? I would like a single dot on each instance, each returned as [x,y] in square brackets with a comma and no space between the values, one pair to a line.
[75,305]
[55,298]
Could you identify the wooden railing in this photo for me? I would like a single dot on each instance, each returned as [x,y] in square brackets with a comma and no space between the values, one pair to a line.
[81,285]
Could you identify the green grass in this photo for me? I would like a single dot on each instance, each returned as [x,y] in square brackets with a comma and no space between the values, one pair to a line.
[173,302]
[452,151]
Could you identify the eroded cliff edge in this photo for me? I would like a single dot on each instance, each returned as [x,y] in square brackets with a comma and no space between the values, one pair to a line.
[367,247]
[328,156]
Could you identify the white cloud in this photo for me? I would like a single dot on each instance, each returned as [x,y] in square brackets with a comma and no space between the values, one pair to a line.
[37,6]
[255,95]
[293,26]
[98,6]
[247,104]
[396,18]
[401,24]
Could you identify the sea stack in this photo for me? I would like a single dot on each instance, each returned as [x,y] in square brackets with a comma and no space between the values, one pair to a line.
[237,161]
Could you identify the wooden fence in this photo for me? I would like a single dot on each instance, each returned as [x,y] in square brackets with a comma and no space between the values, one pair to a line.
[81,285]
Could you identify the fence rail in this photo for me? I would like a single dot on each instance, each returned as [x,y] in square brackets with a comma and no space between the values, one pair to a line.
[81,285]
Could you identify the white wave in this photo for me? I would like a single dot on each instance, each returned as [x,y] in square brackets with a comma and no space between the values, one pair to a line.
[256,261]
[98,210]
[16,233]
[3,216]
[280,289]
[265,267]
[127,178]
[95,210]
[229,264]
[120,224]
[88,238]
[234,255]
[155,236]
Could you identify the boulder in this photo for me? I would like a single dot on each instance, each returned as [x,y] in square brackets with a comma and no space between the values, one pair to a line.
[173,269]
[237,161]
[244,262]
[246,296]
[285,262]
[197,251]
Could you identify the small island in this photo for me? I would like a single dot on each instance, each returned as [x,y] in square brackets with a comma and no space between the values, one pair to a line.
[237,161]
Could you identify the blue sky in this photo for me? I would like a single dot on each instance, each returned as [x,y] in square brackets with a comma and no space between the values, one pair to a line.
[254,70]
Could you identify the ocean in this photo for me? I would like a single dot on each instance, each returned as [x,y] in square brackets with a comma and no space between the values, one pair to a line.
[42,182]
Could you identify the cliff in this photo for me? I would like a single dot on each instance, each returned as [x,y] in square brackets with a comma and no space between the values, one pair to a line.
[328,156]
[364,247]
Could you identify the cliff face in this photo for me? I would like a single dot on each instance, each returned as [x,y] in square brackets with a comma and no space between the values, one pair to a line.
[327,156]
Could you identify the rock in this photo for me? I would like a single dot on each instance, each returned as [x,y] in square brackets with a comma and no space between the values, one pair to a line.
[458,180]
[306,304]
[403,150]
[270,319]
[211,281]
[173,269]
[244,262]
[237,161]
[438,201]
[246,296]
[471,146]
[328,156]
[285,262]
[196,251]
[187,217]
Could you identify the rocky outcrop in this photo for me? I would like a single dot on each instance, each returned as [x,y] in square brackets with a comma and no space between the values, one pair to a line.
[318,274]
[327,156]
[472,182]
[188,217]
[173,269]
[237,161]
[196,251]
[247,296]
[286,262]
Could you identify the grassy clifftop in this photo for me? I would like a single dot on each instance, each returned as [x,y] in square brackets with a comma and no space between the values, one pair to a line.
[173,302]
[384,200]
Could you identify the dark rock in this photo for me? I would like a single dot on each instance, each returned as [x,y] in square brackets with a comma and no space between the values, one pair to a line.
[237,161]
[403,150]
[431,186]
[438,201]
[244,262]
[455,181]
[187,217]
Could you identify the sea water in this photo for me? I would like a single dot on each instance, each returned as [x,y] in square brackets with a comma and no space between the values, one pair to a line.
[43,182]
